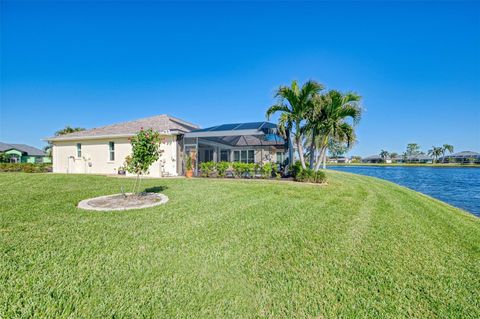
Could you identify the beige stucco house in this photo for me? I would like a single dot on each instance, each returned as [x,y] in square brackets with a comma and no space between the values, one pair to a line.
[103,150]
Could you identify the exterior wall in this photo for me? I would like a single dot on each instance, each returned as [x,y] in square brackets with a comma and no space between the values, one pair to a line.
[95,157]
[36,159]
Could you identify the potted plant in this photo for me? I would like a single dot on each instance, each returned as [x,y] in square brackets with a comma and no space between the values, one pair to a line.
[121,170]
[189,167]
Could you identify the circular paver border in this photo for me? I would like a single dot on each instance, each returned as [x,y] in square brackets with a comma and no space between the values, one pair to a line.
[84,204]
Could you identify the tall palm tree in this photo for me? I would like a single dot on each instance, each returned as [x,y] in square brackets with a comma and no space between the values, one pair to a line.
[384,155]
[293,102]
[446,147]
[332,121]
[435,152]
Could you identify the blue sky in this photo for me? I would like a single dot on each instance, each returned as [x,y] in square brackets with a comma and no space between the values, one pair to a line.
[416,64]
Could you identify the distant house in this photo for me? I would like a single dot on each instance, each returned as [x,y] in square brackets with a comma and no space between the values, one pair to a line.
[21,153]
[461,157]
[340,159]
[415,159]
[375,159]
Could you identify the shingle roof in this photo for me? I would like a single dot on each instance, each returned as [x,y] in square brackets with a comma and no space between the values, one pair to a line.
[30,150]
[372,157]
[5,147]
[464,154]
[159,123]
[419,157]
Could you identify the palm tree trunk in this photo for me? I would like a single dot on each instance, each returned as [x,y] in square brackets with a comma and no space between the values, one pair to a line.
[319,158]
[298,141]
[312,150]
[325,159]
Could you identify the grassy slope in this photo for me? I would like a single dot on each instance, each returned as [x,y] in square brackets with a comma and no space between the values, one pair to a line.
[224,248]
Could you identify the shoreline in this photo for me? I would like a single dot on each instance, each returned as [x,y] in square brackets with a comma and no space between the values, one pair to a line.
[439,165]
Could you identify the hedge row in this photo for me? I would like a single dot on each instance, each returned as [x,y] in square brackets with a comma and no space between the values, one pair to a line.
[238,169]
[259,170]
[25,167]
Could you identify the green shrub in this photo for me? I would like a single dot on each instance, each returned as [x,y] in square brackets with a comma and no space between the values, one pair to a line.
[25,167]
[208,169]
[295,169]
[222,168]
[237,169]
[266,170]
[248,169]
[310,176]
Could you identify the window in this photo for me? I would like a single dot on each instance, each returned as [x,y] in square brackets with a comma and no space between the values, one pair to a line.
[79,150]
[224,155]
[245,156]
[251,156]
[111,150]
[280,157]
[208,155]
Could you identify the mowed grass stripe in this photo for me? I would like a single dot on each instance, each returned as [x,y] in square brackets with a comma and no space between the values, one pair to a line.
[356,247]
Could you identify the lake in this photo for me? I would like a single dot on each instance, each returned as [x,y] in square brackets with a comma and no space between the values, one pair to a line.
[457,186]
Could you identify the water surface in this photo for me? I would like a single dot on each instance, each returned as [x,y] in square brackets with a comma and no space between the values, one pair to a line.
[458,186]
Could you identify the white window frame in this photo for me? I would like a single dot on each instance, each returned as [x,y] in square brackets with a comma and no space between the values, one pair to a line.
[79,150]
[282,156]
[241,158]
[111,151]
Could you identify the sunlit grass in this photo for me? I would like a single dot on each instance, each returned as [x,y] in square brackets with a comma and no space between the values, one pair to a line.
[228,248]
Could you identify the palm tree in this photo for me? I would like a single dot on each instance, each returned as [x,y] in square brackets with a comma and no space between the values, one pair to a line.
[384,155]
[435,152]
[393,156]
[68,129]
[446,147]
[413,149]
[331,121]
[293,102]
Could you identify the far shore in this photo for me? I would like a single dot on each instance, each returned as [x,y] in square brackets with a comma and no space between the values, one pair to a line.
[407,165]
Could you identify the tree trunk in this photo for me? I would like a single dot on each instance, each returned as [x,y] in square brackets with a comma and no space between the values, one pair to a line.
[298,141]
[325,159]
[138,186]
[312,150]
[319,158]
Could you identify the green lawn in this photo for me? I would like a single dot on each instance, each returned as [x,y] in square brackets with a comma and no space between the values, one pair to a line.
[229,248]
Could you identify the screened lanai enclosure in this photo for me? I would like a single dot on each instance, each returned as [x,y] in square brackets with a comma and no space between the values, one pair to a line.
[256,142]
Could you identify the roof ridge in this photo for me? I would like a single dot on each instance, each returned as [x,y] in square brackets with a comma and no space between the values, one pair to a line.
[180,121]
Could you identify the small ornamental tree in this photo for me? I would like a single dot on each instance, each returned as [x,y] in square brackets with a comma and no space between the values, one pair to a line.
[145,151]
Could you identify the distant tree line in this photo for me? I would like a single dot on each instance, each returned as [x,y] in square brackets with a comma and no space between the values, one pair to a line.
[413,149]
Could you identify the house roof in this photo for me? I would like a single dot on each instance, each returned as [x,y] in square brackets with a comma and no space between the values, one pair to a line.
[372,157]
[238,127]
[162,123]
[464,154]
[419,157]
[235,129]
[30,150]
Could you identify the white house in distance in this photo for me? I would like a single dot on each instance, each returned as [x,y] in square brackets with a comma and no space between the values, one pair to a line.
[103,150]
